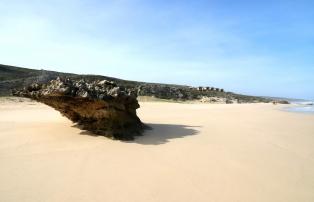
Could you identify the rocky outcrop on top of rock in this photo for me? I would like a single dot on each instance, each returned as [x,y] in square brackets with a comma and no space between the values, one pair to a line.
[101,107]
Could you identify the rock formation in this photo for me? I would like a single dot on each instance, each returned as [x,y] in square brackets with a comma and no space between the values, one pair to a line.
[101,107]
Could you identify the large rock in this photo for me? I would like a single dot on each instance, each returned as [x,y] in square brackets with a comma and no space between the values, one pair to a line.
[99,106]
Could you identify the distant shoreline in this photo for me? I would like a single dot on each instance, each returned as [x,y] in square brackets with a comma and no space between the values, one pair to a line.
[301,107]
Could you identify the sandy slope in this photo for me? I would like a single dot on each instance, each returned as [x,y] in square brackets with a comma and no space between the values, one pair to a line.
[194,153]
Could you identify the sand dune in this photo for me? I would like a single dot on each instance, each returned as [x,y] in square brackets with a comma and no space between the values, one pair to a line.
[195,152]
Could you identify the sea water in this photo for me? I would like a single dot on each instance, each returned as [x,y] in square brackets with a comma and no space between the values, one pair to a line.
[302,107]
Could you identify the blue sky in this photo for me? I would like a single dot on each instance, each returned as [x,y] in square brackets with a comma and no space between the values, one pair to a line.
[253,47]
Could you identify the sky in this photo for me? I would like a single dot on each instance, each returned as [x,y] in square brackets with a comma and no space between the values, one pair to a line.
[245,46]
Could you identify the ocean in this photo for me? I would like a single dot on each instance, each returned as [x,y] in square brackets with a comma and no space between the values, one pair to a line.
[302,107]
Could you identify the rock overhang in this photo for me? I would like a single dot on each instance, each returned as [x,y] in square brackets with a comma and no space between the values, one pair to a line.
[100,107]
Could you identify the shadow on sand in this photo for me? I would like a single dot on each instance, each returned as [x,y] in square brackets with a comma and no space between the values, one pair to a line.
[163,133]
[158,133]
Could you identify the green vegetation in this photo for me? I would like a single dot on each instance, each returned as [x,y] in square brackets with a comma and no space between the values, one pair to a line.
[12,77]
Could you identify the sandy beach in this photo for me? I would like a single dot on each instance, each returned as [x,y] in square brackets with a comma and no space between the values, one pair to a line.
[195,152]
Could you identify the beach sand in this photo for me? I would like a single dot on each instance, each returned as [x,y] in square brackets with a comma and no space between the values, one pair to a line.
[195,152]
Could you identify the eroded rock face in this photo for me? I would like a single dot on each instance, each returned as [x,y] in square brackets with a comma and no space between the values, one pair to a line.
[101,107]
